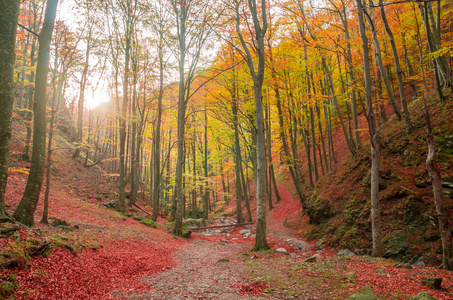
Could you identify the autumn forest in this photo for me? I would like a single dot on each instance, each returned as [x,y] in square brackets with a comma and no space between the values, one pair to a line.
[138,135]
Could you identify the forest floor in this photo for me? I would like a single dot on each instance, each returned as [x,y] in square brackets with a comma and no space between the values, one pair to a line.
[99,253]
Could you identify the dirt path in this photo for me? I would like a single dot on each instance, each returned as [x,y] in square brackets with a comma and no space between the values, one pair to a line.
[200,272]
[200,275]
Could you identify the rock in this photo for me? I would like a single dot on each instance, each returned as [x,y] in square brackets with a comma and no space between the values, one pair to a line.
[300,246]
[424,296]
[58,222]
[281,250]
[420,263]
[351,275]
[345,252]
[310,259]
[422,183]
[361,297]
[289,240]
[320,243]
[244,231]
[395,244]
[319,210]
[195,222]
[398,266]
[148,222]
[223,260]
[367,290]
[380,271]
[432,282]
[408,266]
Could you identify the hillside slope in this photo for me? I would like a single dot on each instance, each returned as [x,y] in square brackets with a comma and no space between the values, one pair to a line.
[341,203]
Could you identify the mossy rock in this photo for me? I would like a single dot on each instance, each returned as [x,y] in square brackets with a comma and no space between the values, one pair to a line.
[367,290]
[361,297]
[185,230]
[138,218]
[148,222]
[395,244]
[319,210]
[423,296]
[195,222]
[65,228]
[223,260]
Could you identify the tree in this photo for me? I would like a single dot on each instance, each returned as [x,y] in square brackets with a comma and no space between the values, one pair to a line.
[27,206]
[8,25]
[192,34]
[257,74]
[436,179]
[374,139]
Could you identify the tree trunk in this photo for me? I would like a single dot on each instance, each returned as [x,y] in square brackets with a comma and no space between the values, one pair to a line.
[444,226]
[271,166]
[8,25]
[374,135]
[156,139]
[27,206]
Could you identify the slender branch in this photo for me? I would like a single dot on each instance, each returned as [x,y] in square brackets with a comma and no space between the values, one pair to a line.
[29,30]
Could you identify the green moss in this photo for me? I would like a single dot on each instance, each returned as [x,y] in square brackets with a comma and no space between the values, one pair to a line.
[149,223]
[7,287]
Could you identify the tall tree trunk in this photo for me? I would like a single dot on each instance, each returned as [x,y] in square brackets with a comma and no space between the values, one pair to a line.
[8,25]
[237,152]
[177,230]
[55,97]
[27,206]
[205,165]
[431,165]
[123,119]
[272,180]
[156,139]
[374,134]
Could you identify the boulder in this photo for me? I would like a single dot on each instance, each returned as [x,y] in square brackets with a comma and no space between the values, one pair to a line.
[195,222]
[244,231]
[319,210]
[310,259]
[395,244]
[345,252]
[432,282]
[361,297]
[423,296]
[281,250]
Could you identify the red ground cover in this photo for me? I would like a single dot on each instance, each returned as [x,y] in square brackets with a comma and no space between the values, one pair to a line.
[92,274]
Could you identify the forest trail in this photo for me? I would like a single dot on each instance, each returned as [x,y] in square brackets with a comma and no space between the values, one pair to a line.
[210,269]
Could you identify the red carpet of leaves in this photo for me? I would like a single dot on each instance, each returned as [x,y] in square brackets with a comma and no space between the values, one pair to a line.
[92,274]
[125,251]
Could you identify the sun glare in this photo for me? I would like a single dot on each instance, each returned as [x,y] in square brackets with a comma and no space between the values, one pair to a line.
[94,99]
